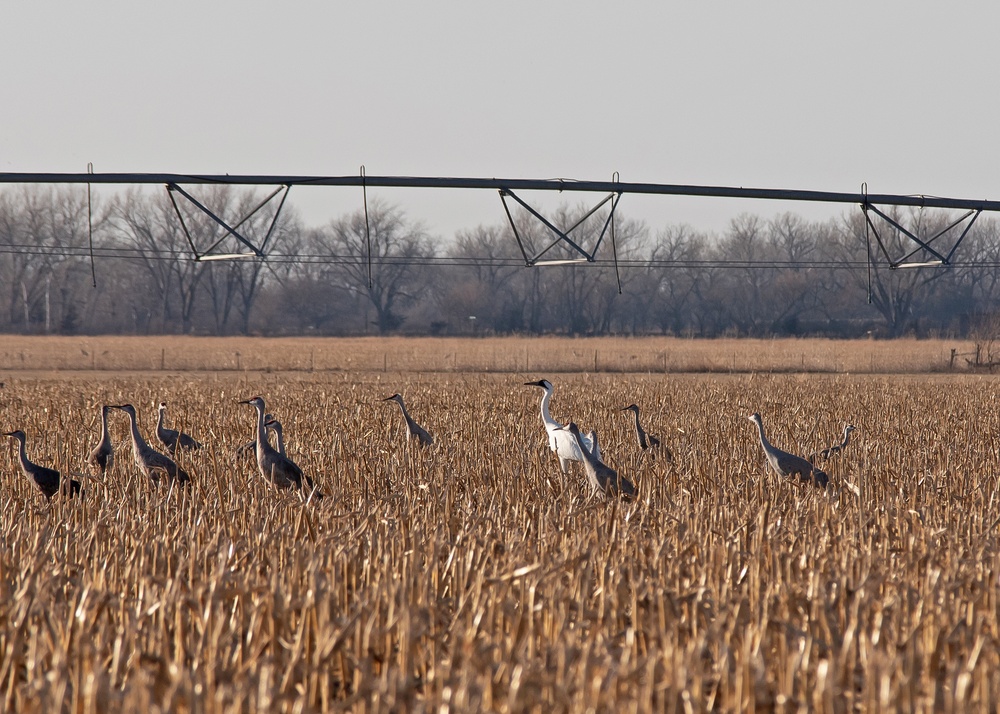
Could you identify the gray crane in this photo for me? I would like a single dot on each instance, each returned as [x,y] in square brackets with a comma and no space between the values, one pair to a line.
[785,464]
[171,438]
[150,461]
[413,430]
[837,448]
[274,466]
[250,447]
[274,425]
[602,477]
[647,441]
[102,457]
[47,480]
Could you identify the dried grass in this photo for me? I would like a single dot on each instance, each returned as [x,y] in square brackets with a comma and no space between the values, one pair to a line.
[473,576]
[552,355]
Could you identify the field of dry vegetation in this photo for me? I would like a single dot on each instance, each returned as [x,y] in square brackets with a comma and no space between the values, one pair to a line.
[473,575]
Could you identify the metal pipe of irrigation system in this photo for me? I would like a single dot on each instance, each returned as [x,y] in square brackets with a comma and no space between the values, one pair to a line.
[506,185]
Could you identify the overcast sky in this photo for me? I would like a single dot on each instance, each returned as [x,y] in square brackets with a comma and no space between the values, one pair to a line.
[767,94]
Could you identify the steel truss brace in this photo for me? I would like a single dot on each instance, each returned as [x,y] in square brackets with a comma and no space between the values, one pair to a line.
[561,236]
[939,257]
[233,230]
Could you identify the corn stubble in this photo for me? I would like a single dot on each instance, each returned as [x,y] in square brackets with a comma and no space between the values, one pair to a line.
[473,575]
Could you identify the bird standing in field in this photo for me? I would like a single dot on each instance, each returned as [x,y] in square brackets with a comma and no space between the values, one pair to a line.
[250,447]
[102,457]
[646,441]
[272,424]
[837,448]
[47,480]
[171,438]
[151,462]
[602,477]
[275,467]
[785,464]
[413,430]
[561,442]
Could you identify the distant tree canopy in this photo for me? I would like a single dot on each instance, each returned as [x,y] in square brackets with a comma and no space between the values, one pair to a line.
[387,274]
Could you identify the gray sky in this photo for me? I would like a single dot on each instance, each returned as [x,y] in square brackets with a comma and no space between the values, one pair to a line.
[767,94]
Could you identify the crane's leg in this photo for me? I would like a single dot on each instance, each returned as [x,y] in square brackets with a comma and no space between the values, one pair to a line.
[564,465]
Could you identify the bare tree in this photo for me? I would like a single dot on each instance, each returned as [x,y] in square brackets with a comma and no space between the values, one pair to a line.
[487,283]
[45,229]
[897,294]
[149,225]
[678,279]
[399,252]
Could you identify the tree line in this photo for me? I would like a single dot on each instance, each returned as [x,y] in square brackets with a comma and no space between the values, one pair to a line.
[124,265]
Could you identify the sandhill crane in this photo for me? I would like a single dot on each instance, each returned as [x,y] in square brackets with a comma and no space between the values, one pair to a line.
[171,438]
[150,461]
[561,442]
[47,480]
[413,430]
[274,466]
[251,446]
[646,441]
[103,455]
[836,448]
[602,477]
[785,464]
[274,425]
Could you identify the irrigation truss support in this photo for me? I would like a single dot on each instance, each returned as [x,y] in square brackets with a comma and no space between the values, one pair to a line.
[925,252]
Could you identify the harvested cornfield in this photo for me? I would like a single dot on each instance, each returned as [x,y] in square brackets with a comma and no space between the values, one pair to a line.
[473,575]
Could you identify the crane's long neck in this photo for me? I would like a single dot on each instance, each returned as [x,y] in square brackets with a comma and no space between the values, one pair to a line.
[546,415]
[406,415]
[281,440]
[104,426]
[138,443]
[847,437]
[635,413]
[22,454]
[587,455]
[763,439]
[261,431]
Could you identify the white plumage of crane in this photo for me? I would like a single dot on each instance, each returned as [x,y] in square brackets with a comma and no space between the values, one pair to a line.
[785,464]
[151,462]
[413,430]
[601,477]
[46,480]
[561,441]
[275,467]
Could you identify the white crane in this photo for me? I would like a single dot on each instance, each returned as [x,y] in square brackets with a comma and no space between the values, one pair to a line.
[102,457]
[46,480]
[413,430]
[275,467]
[785,464]
[602,477]
[171,438]
[150,461]
[561,442]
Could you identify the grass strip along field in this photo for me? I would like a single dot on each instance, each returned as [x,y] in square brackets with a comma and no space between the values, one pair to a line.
[473,575]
